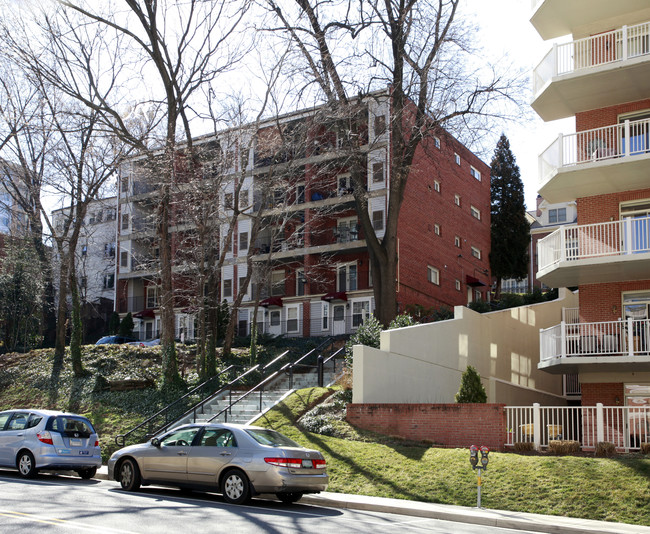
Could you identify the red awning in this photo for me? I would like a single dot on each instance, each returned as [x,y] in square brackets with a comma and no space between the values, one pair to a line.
[335,296]
[271,301]
[144,314]
[473,282]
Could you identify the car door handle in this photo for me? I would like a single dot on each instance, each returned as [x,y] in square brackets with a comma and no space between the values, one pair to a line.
[225,454]
[182,453]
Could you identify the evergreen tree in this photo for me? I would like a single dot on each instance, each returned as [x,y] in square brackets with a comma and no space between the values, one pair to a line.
[471,389]
[114,323]
[510,228]
[127,325]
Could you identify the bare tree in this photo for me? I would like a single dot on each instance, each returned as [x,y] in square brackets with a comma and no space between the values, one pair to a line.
[420,51]
[167,52]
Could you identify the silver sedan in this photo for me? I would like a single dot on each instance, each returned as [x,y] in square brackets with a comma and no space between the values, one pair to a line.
[238,461]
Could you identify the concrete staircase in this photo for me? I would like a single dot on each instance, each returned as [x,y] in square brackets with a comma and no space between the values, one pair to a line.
[249,408]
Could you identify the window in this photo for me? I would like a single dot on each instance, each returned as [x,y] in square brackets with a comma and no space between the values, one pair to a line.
[179,438]
[152,297]
[380,125]
[457,241]
[433,275]
[243,241]
[109,281]
[109,250]
[436,229]
[218,438]
[292,318]
[476,252]
[457,158]
[360,310]
[457,285]
[436,186]
[300,194]
[124,184]
[345,184]
[124,258]
[228,244]
[347,277]
[277,283]
[457,200]
[475,173]
[436,141]
[227,288]
[242,282]
[84,250]
[125,221]
[326,312]
[243,199]
[557,215]
[300,282]
[476,213]
[378,220]
[110,214]
[227,201]
[378,172]
[83,283]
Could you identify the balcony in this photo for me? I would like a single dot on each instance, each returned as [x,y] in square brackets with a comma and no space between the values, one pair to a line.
[595,253]
[555,18]
[596,162]
[611,346]
[595,72]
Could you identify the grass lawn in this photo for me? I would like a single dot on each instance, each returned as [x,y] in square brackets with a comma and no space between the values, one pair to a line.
[359,462]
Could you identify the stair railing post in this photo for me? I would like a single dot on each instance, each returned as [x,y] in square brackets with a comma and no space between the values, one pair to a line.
[291,377]
[261,392]
[320,370]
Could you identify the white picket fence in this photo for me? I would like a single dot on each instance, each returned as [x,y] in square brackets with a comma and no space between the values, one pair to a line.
[626,427]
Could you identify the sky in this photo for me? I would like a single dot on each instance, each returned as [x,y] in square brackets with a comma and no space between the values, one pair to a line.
[505,30]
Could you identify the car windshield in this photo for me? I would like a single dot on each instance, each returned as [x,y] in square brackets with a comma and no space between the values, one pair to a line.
[271,438]
[71,425]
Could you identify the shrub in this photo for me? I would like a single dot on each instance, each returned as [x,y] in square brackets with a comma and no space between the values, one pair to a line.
[645,448]
[367,334]
[401,321]
[471,389]
[114,323]
[524,446]
[559,446]
[510,300]
[605,449]
[480,306]
[126,326]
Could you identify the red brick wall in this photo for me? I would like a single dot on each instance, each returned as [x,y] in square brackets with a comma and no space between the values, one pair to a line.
[603,393]
[602,302]
[603,208]
[423,207]
[450,425]
[597,118]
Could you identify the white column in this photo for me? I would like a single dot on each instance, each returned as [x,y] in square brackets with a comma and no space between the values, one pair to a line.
[537,419]
[600,423]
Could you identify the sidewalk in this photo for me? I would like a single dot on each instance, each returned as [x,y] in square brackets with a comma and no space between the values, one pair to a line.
[476,516]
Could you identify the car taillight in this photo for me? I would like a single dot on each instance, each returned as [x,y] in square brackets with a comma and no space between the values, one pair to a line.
[45,437]
[319,464]
[96,443]
[295,463]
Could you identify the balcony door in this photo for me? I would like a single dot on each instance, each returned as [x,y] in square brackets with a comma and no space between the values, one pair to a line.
[639,134]
[636,227]
[636,307]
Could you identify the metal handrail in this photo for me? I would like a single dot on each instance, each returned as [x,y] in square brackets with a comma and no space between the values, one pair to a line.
[120,439]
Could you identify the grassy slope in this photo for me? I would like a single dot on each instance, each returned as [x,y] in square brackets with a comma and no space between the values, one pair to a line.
[607,489]
[593,488]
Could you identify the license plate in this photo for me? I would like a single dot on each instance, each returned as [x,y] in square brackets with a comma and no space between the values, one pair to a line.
[307,463]
[75,442]
[84,453]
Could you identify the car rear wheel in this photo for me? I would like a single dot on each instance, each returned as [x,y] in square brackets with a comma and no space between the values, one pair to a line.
[87,473]
[129,475]
[289,498]
[26,465]
[235,487]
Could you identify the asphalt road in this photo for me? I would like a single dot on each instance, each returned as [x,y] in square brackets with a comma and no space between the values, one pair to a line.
[52,503]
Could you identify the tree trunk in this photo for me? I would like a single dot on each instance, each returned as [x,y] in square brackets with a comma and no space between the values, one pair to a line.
[76,327]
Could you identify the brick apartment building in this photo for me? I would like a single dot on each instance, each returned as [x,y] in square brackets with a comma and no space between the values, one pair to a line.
[310,265]
[602,78]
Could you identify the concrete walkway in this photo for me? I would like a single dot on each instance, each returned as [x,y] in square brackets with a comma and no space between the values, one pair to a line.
[476,516]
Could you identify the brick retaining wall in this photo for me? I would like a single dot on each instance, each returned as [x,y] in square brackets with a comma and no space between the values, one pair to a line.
[448,425]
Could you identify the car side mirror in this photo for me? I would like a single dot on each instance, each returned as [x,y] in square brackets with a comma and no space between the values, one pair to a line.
[155,442]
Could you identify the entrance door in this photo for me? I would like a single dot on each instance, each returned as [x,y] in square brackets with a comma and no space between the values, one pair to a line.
[338,318]
[275,323]
[636,228]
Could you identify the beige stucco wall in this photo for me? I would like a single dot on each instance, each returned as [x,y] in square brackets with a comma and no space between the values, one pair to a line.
[424,363]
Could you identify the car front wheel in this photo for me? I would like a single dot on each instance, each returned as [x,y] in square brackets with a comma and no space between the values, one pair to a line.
[87,473]
[129,475]
[235,487]
[26,465]
[289,498]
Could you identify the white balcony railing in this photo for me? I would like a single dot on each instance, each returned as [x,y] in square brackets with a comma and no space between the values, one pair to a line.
[615,46]
[629,138]
[629,337]
[613,238]
[627,427]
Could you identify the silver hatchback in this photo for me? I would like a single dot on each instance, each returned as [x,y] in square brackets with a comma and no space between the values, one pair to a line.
[31,440]
[239,461]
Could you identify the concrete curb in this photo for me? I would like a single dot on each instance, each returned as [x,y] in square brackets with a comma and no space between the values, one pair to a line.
[476,516]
